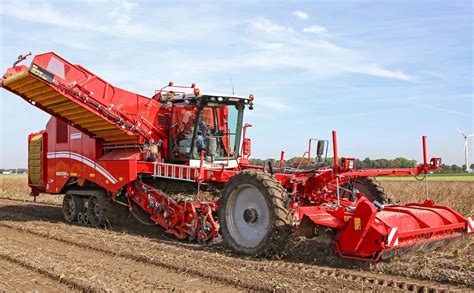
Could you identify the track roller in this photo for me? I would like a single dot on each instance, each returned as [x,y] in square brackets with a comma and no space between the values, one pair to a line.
[95,211]
[85,219]
[72,206]
[80,218]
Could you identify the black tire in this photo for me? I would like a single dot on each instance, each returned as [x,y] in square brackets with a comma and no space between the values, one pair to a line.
[264,195]
[372,189]
[72,206]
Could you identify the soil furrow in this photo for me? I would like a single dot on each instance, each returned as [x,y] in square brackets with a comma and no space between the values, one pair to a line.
[29,201]
[277,271]
[182,266]
[70,282]
[209,263]
[20,276]
[90,270]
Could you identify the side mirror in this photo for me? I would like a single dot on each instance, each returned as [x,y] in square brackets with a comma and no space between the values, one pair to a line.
[246,142]
[247,147]
[320,149]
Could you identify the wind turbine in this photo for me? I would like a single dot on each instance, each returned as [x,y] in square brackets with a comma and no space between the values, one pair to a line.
[466,159]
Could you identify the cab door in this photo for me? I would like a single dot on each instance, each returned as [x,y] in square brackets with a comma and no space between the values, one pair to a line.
[183,123]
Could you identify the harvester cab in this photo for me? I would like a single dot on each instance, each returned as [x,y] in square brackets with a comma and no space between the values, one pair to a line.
[203,127]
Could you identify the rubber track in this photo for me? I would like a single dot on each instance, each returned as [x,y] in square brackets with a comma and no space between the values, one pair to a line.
[340,274]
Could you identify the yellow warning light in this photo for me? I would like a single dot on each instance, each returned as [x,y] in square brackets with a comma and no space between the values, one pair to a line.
[251,97]
[196,91]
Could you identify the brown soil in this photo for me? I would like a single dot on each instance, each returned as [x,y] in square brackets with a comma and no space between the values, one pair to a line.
[92,270]
[457,195]
[15,277]
[35,239]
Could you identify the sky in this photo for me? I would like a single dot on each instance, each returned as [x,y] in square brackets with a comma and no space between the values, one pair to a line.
[381,73]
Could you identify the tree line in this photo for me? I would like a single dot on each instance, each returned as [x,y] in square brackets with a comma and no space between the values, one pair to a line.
[14,171]
[362,164]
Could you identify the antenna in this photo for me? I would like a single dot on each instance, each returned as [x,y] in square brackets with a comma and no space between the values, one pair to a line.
[232,85]
[466,157]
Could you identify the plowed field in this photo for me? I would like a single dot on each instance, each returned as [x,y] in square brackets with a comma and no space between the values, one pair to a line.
[54,255]
[40,252]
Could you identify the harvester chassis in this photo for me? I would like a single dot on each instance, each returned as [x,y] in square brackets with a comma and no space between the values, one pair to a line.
[102,141]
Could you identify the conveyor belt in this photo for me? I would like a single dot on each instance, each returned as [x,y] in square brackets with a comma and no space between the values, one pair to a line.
[39,87]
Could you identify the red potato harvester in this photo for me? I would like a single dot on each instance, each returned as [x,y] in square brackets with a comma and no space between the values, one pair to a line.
[107,146]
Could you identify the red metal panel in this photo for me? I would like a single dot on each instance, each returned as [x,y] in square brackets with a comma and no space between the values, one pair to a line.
[63,164]
[51,166]
[320,216]
[396,227]
[120,173]
[116,99]
[76,146]
[130,116]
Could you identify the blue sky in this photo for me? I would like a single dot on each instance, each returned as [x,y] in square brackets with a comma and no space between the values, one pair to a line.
[382,73]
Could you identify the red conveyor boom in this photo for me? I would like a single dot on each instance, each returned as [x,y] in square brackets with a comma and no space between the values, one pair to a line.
[81,98]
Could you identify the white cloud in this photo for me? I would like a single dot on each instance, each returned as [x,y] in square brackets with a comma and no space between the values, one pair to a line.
[377,70]
[27,12]
[316,57]
[267,45]
[270,46]
[267,26]
[442,109]
[122,12]
[316,29]
[116,21]
[301,14]
[272,104]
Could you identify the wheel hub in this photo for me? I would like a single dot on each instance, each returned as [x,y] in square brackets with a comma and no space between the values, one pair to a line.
[97,210]
[250,216]
[72,206]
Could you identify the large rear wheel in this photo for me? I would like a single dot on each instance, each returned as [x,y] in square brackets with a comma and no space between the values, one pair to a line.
[372,189]
[253,214]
